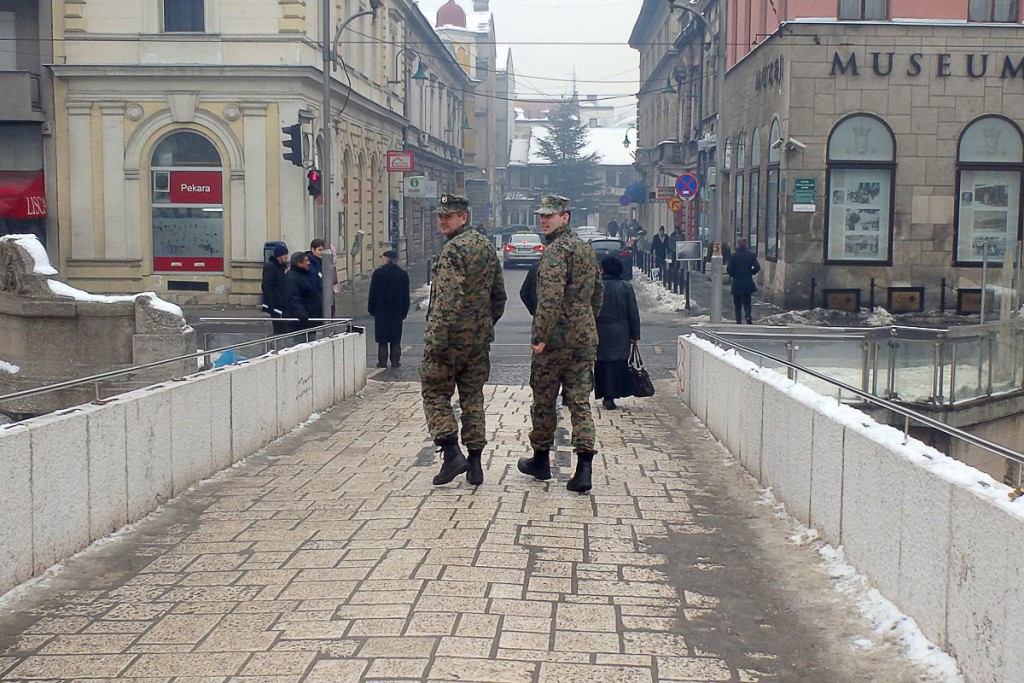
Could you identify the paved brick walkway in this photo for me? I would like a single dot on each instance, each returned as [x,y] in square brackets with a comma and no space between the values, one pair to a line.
[330,558]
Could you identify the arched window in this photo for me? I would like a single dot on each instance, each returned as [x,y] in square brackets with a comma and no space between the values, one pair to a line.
[771,193]
[187,205]
[990,161]
[754,185]
[861,172]
[738,194]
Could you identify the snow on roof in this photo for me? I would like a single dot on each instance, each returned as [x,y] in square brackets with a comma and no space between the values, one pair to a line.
[607,142]
[519,155]
[520,113]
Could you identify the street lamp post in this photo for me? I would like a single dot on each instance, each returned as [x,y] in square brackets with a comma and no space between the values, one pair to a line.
[330,50]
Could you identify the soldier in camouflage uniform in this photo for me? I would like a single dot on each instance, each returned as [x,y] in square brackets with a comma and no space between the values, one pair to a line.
[467,297]
[564,341]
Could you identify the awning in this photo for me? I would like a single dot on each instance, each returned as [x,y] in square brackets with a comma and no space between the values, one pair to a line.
[22,195]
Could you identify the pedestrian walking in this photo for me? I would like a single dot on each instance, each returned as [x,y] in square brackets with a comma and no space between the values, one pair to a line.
[659,247]
[564,342]
[273,287]
[303,299]
[467,298]
[613,228]
[742,268]
[388,303]
[618,328]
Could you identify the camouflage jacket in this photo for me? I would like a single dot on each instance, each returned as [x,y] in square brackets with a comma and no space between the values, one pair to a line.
[569,293]
[467,293]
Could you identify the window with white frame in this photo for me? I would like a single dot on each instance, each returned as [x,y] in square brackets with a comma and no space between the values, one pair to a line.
[771,193]
[184,16]
[990,162]
[863,10]
[861,171]
[1003,11]
[754,188]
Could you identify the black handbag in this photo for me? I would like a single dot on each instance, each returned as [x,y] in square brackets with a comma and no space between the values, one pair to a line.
[638,377]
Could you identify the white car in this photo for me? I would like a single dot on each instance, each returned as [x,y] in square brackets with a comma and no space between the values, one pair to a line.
[588,232]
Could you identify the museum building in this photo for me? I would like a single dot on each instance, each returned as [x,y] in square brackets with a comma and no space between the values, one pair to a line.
[875,162]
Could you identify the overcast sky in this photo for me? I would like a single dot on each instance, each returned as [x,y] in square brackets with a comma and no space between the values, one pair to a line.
[535,30]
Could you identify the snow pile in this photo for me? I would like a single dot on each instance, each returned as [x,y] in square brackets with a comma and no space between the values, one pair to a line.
[657,297]
[30,243]
[9,368]
[63,289]
[880,318]
[422,297]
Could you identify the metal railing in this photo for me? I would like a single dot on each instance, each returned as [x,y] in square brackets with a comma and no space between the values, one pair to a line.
[329,328]
[908,414]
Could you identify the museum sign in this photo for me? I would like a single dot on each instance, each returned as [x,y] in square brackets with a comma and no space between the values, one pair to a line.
[943,65]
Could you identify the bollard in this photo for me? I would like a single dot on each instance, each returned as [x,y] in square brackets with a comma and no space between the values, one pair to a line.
[871,295]
[942,296]
[814,286]
[687,288]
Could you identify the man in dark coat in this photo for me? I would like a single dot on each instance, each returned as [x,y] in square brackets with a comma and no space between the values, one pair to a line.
[273,287]
[303,299]
[389,305]
[659,247]
[742,268]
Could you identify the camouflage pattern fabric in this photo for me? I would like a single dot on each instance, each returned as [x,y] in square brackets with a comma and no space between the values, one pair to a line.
[467,297]
[467,370]
[569,297]
[574,371]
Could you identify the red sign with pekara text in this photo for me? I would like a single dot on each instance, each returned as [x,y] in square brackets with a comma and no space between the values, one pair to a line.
[196,187]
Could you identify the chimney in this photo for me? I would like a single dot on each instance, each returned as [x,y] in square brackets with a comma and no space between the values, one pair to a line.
[481,5]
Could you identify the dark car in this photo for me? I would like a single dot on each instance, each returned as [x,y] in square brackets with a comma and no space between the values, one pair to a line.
[610,246]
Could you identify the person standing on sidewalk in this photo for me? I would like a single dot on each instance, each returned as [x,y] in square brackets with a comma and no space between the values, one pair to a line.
[467,298]
[659,247]
[564,342]
[303,299]
[388,303]
[742,268]
[273,287]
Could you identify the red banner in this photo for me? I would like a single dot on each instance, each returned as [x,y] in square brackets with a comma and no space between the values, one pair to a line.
[196,187]
[187,264]
[22,195]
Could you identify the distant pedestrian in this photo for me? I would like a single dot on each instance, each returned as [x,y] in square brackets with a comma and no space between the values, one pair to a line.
[388,303]
[303,299]
[742,268]
[564,342]
[659,247]
[273,287]
[613,228]
[618,328]
[467,298]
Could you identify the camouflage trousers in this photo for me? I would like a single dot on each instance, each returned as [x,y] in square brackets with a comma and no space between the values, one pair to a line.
[573,371]
[465,369]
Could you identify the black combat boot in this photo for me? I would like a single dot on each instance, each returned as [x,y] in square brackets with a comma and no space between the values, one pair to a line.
[580,482]
[538,467]
[454,464]
[475,475]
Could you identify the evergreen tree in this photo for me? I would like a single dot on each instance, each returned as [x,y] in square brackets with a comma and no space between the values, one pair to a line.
[572,173]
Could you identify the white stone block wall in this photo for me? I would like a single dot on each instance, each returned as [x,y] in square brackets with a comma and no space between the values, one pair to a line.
[935,537]
[75,476]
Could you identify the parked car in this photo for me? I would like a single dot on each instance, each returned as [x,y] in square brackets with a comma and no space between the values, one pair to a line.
[588,232]
[523,249]
[612,246]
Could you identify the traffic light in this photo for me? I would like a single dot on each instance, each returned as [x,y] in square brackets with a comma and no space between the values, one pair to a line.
[293,143]
[314,187]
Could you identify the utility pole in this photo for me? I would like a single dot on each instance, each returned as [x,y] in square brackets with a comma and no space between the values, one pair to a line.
[329,52]
[718,211]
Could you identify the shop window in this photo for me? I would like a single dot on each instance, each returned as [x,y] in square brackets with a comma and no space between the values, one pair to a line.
[187,205]
[771,194]
[184,16]
[863,10]
[1004,11]
[990,162]
[8,41]
[861,171]
[737,214]
[754,189]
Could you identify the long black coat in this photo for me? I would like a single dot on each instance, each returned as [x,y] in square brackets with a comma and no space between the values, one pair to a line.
[388,302]
[619,321]
[742,268]
[303,298]
[273,287]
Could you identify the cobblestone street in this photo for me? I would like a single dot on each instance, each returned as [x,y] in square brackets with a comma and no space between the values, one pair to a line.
[328,557]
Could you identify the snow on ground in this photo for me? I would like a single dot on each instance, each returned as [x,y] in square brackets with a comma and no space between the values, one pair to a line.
[9,368]
[890,627]
[63,289]
[422,297]
[31,244]
[656,297]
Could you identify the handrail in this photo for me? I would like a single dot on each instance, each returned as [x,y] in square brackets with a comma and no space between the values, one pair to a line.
[95,379]
[997,449]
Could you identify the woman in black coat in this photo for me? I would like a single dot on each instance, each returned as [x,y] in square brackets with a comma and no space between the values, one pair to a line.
[618,327]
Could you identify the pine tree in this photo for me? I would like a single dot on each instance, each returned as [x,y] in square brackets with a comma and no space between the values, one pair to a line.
[573,173]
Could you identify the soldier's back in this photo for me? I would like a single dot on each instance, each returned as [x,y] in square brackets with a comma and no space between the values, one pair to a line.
[474,322]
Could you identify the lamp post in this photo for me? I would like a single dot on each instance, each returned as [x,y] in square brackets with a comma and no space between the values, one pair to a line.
[717,208]
[330,50]
[625,140]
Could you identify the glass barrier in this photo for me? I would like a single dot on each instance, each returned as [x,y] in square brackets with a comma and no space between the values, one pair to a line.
[914,375]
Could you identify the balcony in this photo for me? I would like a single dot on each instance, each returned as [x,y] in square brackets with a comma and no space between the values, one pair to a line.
[22,100]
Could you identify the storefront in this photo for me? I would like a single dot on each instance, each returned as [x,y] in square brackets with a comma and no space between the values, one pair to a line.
[23,203]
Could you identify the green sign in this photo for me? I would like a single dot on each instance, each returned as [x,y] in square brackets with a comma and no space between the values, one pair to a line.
[804,190]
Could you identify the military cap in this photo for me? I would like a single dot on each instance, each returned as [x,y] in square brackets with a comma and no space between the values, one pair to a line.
[553,203]
[390,253]
[451,203]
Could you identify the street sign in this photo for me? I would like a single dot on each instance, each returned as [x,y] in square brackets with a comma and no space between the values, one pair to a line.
[674,204]
[420,187]
[665,193]
[399,162]
[804,194]
[687,186]
[625,200]
[687,250]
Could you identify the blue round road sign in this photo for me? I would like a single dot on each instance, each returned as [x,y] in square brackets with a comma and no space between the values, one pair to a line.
[625,200]
[687,186]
